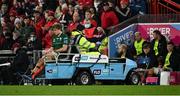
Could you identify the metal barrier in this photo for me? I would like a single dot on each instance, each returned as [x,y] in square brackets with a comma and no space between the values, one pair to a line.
[163,7]
[34,55]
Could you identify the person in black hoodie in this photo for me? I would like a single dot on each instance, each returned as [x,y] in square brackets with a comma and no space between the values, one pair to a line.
[171,60]
[147,58]
[159,44]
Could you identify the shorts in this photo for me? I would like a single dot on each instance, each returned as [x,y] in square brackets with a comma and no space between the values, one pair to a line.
[51,56]
[157,70]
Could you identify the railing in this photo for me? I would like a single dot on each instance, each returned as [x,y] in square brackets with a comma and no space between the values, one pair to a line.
[124,24]
[34,55]
[163,7]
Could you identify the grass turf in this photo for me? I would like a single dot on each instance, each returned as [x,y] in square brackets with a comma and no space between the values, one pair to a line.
[90,90]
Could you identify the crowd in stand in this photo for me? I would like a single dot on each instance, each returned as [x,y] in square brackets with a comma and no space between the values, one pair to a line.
[36,24]
[24,21]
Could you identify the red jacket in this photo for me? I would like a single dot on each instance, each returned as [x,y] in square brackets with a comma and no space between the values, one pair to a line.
[38,28]
[89,33]
[48,25]
[73,26]
[86,3]
[108,18]
[47,41]
[93,22]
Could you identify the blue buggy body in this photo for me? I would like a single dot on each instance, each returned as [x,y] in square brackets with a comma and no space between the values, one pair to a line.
[95,67]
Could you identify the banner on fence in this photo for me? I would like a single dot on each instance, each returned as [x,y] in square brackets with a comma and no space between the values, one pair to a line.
[125,36]
[170,30]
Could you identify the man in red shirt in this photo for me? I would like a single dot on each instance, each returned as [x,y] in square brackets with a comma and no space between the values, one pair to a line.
[51,20]
[39,22]
[108,17]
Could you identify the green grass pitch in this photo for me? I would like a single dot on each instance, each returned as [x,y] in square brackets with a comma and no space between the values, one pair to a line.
[90,90]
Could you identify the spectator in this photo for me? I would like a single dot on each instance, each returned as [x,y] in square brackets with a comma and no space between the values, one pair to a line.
[4,2]
[95,15]
[28,8]
[39,22]
[50,20]
[18,41]
[4,10]
[123,10]
[85,3]
[29,36]
[97,3]
[58,11]
[80,10]
[138,7]
[39,9]
[88,22]
[108,17]
[40,3]
[71,2]
[12,19]
[18,26]
[112,6]
[76,21]
[28,29]
[70,10]
[59,44]
[65,17]
[159,44]
[19,7]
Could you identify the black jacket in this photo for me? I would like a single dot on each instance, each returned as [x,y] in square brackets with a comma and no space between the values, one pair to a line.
[153,60]
[162,50]
[174,58]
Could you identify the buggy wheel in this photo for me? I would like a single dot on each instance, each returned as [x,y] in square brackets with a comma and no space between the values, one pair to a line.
[84,78]
[133,78]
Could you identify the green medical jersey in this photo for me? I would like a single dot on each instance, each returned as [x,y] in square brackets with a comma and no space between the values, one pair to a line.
[59,40]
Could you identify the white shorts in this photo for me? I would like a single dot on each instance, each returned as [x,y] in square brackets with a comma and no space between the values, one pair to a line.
[157,70]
